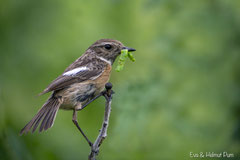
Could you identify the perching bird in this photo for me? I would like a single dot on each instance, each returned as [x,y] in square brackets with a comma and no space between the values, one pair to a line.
[80,82]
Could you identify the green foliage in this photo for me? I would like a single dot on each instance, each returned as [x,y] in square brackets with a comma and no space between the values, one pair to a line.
[180,96]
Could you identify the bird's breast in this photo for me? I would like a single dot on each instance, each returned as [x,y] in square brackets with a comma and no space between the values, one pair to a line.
[103,79]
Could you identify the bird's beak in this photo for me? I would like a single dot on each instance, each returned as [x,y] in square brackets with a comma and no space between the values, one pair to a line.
[129,49]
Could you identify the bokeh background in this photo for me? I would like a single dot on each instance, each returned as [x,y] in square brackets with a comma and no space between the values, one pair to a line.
[180,96]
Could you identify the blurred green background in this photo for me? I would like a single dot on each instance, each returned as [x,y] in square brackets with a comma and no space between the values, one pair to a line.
[180,96]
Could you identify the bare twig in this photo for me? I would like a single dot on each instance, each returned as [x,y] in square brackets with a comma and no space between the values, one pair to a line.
[103,131]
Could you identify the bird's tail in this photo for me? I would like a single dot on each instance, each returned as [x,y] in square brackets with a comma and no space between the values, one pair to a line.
[46,115]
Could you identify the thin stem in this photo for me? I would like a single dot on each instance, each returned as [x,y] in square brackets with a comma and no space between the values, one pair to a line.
[74,119]
[103,131]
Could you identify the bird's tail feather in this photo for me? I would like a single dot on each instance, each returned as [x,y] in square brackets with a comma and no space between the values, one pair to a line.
[46,115]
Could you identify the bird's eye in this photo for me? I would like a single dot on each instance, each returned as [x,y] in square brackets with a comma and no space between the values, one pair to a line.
[108,46]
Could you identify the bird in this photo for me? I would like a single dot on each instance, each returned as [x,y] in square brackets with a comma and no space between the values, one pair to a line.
[80,82]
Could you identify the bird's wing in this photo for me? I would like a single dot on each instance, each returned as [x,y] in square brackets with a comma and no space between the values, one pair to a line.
[76,75]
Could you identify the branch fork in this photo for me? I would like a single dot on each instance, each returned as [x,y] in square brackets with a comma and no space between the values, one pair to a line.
[95,147]
[103,131]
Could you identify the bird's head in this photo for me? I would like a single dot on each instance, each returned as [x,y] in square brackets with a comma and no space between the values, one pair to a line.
[108,49]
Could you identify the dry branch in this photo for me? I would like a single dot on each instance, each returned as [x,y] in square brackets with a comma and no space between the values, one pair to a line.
[103,131]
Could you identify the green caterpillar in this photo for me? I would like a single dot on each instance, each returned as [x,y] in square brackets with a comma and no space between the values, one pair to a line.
[122,59]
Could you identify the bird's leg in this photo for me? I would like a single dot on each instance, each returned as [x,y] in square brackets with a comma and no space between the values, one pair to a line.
[85,105]
[103,93]
[74,119]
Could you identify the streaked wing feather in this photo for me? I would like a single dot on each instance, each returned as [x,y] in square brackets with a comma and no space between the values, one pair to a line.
[65,81]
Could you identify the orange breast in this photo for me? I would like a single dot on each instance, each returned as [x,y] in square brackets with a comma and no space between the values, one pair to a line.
[103,79]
